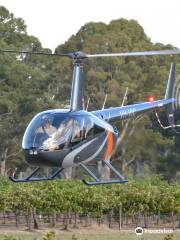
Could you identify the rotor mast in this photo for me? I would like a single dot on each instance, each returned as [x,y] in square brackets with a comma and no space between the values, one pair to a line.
[77,92]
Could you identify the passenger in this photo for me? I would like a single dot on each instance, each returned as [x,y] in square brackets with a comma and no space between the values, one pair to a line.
[69,128]
[88,127]
[76,131]
[61,129]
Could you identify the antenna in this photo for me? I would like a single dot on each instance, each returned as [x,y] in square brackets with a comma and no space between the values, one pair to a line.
[87,104]
[104,101]
[125,97]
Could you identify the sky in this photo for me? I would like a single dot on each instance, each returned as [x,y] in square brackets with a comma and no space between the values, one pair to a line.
[53,22]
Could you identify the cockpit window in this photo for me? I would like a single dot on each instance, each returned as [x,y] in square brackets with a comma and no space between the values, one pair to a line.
[89,128]
[83,128]
[56,131]
[59,137]
[77,134]
[48,131]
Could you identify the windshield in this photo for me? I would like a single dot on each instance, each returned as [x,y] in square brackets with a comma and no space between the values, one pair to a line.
[51,131]
[48,131]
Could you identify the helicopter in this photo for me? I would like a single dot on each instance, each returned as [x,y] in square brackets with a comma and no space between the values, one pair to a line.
[71,137]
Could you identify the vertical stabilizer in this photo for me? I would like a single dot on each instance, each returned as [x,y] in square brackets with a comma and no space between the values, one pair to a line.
[169,94]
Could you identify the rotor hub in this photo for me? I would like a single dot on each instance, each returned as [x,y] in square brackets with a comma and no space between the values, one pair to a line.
[78,55]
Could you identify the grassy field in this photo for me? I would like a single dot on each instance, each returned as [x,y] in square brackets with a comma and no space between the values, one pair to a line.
[85,235]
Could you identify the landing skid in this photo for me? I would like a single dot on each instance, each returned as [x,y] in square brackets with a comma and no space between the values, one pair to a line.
[30,178]
[97,181]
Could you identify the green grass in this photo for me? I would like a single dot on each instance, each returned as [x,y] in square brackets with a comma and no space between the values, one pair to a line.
[103,236]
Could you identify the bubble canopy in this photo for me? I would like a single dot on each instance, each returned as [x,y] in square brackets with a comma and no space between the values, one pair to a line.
[50,131]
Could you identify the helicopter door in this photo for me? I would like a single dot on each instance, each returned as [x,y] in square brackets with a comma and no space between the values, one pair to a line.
[82,129]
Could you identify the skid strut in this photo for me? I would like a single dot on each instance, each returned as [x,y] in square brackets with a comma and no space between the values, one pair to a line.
[98,181]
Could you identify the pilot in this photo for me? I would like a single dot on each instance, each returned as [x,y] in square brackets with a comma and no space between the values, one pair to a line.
[76,131]
[45,132]
[57,137]
[47,127]
[60,138]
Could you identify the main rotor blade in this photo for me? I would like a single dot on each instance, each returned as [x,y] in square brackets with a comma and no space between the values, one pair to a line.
[129,54]
[81,55]
[35,53]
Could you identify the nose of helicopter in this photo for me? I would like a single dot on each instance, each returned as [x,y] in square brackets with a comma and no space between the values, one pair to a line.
[45,158]
[45,141]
